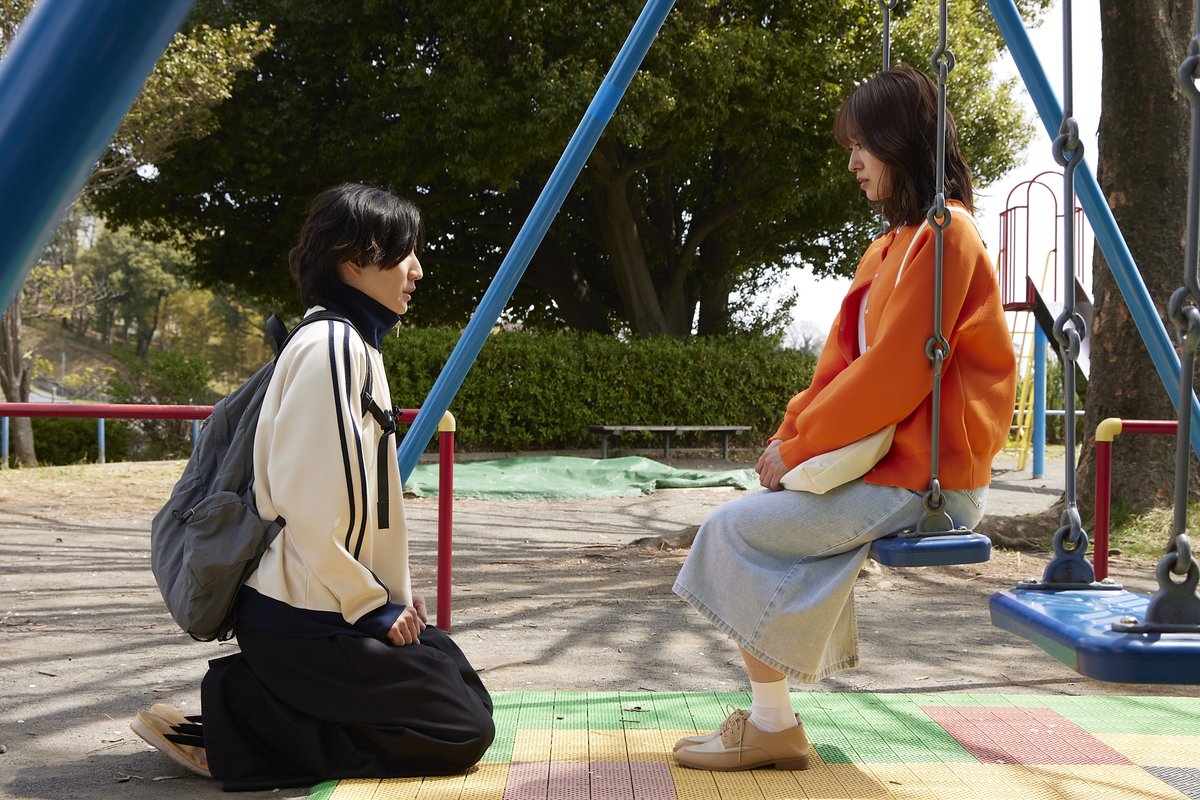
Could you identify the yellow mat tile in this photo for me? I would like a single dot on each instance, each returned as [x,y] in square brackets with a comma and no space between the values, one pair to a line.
[532,744]
[357,789]
[569,745]
[1157,750]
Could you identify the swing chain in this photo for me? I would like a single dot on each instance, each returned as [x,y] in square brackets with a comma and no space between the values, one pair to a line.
[1069,326]
[887,7]
[1070,541]
[937,348]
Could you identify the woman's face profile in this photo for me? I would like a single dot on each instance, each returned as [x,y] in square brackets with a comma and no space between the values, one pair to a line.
[872,174]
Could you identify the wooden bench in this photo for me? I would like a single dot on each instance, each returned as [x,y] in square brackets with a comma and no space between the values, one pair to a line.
[606,431]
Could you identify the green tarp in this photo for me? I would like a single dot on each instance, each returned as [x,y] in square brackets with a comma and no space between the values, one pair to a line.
[564,478]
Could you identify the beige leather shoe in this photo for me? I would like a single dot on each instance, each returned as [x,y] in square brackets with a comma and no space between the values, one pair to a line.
[708,737]
[738,745]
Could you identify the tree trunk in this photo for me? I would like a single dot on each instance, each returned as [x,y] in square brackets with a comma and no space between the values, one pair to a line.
[715,287]
[631,269]
[555,271]
[1144,139]
[15,375]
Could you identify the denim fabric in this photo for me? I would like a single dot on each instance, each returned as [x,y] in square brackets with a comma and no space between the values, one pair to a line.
[776,570]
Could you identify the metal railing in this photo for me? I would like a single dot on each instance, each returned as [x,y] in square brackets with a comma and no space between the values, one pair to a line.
[101,411]
[1106,431]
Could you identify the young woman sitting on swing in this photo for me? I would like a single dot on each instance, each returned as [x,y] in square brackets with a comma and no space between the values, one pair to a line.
[775,570]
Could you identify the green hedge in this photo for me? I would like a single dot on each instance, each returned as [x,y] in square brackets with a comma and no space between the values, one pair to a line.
[72,440]
[540,391]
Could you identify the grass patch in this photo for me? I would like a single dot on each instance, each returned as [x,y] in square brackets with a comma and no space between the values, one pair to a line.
[1145,535]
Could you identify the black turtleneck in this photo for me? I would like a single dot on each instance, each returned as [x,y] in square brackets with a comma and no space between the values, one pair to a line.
[372,319]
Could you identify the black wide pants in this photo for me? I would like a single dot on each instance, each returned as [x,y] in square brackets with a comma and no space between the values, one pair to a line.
[288,712]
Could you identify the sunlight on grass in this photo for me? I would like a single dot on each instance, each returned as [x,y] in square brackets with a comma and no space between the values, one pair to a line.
[1146,535]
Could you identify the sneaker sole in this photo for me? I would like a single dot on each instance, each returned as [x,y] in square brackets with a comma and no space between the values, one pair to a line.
[163,746]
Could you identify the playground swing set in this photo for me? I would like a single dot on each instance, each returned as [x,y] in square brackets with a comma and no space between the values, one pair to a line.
[64,88]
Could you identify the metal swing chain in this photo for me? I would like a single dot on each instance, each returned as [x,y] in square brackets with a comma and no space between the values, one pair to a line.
[937,348]
[1069,326]
[1184,314]
[887,7]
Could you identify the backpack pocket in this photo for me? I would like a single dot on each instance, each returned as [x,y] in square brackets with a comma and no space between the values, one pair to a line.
[223,540]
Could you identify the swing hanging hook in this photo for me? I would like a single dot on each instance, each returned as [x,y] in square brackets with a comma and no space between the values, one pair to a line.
[937,216]
[1067,148]
[1069,330]
[1182,310]
[1181,546]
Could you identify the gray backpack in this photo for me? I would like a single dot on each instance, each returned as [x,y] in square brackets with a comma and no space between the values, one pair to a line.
[208,538]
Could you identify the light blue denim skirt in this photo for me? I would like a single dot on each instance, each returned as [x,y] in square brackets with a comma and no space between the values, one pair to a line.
[775,570]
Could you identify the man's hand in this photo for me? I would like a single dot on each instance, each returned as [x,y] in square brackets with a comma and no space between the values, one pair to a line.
[407,627]
[770,466]
[419,604]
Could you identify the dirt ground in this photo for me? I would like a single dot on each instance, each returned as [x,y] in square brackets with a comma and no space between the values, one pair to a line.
[547,596]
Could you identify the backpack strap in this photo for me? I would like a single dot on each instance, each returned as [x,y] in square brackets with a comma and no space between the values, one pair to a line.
[386,418]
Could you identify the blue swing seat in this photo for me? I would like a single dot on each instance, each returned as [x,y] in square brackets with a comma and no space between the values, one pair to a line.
[932,550]
[1075,626]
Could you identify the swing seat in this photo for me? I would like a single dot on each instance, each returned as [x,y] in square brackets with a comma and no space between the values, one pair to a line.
[932,550]
[1075,626]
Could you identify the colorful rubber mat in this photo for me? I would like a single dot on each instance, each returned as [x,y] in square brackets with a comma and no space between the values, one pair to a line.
[617,745]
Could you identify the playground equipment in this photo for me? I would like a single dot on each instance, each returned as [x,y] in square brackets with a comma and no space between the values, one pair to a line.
[1035,304]
[67,80]
[1096,627]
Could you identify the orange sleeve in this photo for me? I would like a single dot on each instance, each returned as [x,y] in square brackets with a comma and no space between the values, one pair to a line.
[892,378]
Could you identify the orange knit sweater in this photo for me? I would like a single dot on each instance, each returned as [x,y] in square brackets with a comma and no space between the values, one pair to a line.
[851,397]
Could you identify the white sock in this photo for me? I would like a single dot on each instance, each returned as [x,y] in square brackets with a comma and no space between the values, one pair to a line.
[771,706]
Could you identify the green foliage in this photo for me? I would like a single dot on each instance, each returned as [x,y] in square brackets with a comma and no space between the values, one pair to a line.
[717,173]
[1054,400]
[75,441]
[165,378]
[139,276]
[540,390]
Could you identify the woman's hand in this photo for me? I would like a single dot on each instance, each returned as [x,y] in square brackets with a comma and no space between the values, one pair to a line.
[770,467]
[408,625]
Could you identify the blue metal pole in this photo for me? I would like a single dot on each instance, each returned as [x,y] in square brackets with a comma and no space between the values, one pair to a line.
[533,231]
[1108,235]
[1039,402]
[69,76]
[3,442]
[100,439]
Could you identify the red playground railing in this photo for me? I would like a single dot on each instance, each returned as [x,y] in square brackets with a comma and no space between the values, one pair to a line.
[446,428]
[1106,431]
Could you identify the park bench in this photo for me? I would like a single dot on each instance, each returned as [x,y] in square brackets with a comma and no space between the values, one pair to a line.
[606,431]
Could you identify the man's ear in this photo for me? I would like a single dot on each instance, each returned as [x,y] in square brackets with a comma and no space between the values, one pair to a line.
[348,271]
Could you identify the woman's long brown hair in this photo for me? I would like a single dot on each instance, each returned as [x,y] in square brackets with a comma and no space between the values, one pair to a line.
[894,115]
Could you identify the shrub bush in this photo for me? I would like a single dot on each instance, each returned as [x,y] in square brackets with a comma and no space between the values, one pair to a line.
[74,441]
[540,391]
[165,378]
